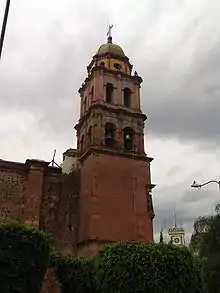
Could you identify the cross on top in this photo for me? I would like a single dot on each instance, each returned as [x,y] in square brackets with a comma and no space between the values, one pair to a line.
[109,30]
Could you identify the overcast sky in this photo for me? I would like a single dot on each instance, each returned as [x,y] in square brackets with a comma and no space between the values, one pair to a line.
[174,45]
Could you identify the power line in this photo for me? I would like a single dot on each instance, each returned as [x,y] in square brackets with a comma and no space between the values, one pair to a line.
[4,24]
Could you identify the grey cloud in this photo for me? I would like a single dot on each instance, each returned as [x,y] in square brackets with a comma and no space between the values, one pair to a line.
[174,170]
[186,107]
[165,217]
[180,100]
[193,196]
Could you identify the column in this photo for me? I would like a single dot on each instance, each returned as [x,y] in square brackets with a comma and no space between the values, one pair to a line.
[119,94]
[137,97]
[33,192]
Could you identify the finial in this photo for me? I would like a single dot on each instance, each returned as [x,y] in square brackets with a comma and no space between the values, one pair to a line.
[109,33]
[174,216]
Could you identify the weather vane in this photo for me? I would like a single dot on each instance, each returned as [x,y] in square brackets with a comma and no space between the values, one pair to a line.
[109,31]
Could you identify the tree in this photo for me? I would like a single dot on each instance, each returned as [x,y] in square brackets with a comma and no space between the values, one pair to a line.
[24,256]
[205,242]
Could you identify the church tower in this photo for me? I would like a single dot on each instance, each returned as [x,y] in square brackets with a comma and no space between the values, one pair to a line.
[177,235]
[115,202]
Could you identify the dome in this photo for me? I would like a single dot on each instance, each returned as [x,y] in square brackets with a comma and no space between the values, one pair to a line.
[110,48]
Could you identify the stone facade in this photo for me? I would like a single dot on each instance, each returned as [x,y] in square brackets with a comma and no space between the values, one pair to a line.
[42,196]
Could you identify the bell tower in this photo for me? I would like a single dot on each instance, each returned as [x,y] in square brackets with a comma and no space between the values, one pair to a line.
[115,201]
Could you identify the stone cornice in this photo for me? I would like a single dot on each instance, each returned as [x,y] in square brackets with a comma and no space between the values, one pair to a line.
[111,108]
[29,164]
[102,150]
[10,165]
[137,79]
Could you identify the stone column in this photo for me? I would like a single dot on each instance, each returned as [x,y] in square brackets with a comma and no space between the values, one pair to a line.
[119,94]
[101,85]
[137,104]
[33,192]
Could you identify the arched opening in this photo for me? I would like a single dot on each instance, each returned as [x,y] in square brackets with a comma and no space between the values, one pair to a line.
[109,93]
[117,66]
[82,142]
[128,139]
[89,136]
[110,133]
[102,64]
[127,97]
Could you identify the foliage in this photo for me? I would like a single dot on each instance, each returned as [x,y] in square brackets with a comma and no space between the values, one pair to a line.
[24,255]
[74,274]
[205,242]
[150,268]
[201,229]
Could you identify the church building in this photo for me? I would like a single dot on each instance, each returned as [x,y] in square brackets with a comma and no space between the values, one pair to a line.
[102,192]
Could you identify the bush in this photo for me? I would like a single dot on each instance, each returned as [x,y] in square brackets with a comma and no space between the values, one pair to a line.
[127,268]
[24,255]
[74,274]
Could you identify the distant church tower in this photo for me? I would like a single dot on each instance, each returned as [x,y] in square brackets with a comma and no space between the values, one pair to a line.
[176,234]
[115,202]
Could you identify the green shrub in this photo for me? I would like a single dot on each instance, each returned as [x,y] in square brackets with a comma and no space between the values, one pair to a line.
[74,274]
[147,268]
[24,255]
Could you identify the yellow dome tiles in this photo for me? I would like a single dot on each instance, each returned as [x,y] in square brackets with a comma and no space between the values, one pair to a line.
[112,57]
[111,48]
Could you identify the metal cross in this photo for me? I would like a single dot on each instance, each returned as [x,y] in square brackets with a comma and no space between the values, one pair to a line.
[109,30]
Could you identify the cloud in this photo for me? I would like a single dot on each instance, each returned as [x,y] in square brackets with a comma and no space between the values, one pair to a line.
[185,102]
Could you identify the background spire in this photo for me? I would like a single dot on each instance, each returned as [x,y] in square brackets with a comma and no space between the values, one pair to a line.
[161,235]
[174,216]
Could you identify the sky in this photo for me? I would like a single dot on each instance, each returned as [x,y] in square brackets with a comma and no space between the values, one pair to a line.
[173,45]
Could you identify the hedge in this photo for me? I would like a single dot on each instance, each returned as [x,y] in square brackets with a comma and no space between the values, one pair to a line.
[74,274]
[24,255]
[153,268]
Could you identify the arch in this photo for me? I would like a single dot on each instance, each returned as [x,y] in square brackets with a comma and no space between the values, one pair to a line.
[128,136]
[127,97]
[110,135]
[117,66]
[89,134]
[109,93]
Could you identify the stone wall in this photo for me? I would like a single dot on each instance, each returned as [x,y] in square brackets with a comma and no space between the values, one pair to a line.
[42,196]
[12,187]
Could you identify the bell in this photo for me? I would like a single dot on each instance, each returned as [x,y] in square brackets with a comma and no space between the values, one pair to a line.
[127,137]
[109,136]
